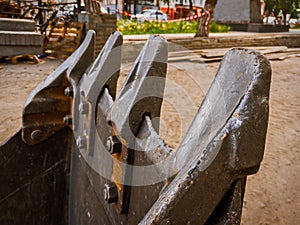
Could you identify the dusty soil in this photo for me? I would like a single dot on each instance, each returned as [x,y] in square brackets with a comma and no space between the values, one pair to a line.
[272,195]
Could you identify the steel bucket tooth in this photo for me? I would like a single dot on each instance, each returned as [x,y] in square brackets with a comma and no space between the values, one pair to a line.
[88,155]
[47,107]
[223,145]
[116,125]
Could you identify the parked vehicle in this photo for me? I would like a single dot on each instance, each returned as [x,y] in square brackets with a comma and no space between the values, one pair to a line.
[150,15]
[293,21]
[270,20]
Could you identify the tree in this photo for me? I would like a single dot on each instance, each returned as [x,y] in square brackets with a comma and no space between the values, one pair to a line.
[285,6]
[202,30]
[191,8]
[168,4]
[209,6]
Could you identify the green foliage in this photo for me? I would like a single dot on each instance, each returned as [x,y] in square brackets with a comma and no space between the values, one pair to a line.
[286,6]
[296,26]
[217,28]
[294,13]
[147,27]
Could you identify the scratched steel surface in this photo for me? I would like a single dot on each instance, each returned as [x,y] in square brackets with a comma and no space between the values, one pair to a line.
[88,156]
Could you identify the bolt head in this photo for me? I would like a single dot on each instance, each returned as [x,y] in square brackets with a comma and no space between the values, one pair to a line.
[83,108]
[81,142]
[109,144]
[114,145]
[36,135]
[67,119]
[69,91]
[110,192]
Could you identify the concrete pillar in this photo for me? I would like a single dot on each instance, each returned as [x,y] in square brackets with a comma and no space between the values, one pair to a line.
[238,11]
[244,15]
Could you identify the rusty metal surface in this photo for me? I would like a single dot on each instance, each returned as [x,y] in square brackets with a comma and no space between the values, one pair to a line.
[120,119]
[224,143]
[34,180]
[35,162]
[95,157]
[48,104]
[212,161]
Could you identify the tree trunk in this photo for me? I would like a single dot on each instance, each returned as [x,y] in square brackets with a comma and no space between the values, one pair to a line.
[202,31]
[210,5]
[191,8]
[168,10]
[135,5]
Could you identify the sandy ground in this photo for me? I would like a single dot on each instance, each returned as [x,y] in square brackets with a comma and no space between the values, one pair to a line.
[272,195]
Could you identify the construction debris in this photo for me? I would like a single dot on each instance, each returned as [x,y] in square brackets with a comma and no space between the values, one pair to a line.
[216,55]
[9,10]
[18,37]
[31,59]
[63,39]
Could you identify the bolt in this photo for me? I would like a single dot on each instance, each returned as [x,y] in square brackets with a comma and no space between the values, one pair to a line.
[36,135]
[114,145]
[67,119]
[69,91]
[83,108]
[110,192]
[81,142]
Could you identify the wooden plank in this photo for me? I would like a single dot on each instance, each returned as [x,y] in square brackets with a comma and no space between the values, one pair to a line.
[220,52]
[274,50]
[214,53]
[34,59]
[9,24]
[67,41]
[281,56]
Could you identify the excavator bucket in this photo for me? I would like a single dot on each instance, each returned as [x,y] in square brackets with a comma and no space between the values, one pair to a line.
[87,155]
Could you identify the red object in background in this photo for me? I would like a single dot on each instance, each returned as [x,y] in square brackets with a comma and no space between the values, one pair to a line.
[170,14]
[183,11]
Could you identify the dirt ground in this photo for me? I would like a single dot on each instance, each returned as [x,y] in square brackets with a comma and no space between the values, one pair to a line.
[272,195]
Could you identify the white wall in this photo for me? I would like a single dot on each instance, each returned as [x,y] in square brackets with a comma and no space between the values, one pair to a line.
[199,3]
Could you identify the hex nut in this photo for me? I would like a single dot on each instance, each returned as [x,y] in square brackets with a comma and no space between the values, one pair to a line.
[110,192]
[114,145]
